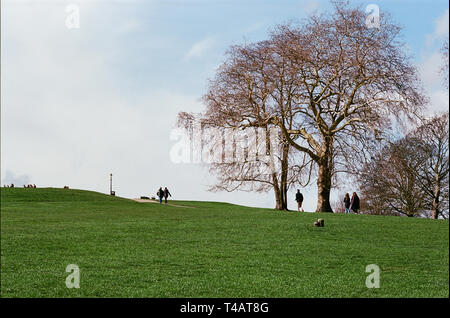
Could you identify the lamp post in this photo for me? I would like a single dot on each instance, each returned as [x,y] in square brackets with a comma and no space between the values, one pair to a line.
[110,184]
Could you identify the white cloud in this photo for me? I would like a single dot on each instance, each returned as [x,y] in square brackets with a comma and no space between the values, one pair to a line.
[442,25]
[431,63]
[429,68]
[253,27]
[440,31]
[68,119]
[64,122]
[129,26]
[311,6]
[199,48]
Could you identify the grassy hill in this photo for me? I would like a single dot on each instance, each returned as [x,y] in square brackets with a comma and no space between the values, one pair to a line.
[130,249]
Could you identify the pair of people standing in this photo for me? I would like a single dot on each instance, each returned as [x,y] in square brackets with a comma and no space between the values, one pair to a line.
[351,204]
[163,194]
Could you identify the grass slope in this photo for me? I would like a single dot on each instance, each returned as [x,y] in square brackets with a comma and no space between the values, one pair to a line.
[130,249]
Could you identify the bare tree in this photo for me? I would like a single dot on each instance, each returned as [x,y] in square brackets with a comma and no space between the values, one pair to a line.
[390,183]
[240,98]
[351,81]
[411,176]
[331,85]
[434,175]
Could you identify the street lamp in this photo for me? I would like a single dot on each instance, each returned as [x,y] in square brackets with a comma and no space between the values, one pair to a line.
[111,192]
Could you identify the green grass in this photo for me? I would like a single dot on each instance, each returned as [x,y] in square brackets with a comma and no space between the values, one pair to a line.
[130,249]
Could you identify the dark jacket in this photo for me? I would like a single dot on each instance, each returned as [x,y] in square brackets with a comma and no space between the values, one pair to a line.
[355,203]
[347,202]
[166,193]
[299,197]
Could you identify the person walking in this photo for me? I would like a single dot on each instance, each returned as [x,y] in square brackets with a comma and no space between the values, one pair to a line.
[166,194]
[354,205]
[299,199]
[160,194]
[347,202]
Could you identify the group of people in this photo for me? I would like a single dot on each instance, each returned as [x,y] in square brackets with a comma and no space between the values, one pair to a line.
[25,185]
[163,194]
[350,203]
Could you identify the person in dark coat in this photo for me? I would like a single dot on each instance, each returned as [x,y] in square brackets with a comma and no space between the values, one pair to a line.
[299,199]
[166,194]
[355,203]
[160,194]
[347,203]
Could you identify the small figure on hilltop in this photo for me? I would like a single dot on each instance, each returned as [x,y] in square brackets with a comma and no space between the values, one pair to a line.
[355,203]
[299,199]
[347,202]
[166,194]
[160,194]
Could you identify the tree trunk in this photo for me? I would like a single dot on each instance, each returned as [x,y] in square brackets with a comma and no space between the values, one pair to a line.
[324,187]
[280,198]
[435,203]
[277,192]
[284,175]
[280,193]
[280,187]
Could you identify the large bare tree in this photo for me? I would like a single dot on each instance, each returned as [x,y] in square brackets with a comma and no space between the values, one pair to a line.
[240,97]
[331,85]
[351,81]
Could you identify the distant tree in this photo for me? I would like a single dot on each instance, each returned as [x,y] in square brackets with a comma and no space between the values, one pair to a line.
[411,175]
[434,175]
[390,183]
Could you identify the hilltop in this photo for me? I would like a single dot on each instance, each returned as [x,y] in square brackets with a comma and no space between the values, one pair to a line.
[130,249]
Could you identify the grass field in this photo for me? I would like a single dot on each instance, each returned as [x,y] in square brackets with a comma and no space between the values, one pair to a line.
[129,249]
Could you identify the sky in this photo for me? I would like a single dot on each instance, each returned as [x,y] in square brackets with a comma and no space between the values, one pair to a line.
[83,98]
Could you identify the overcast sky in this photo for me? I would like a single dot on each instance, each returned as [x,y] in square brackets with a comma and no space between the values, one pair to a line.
[80,103]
